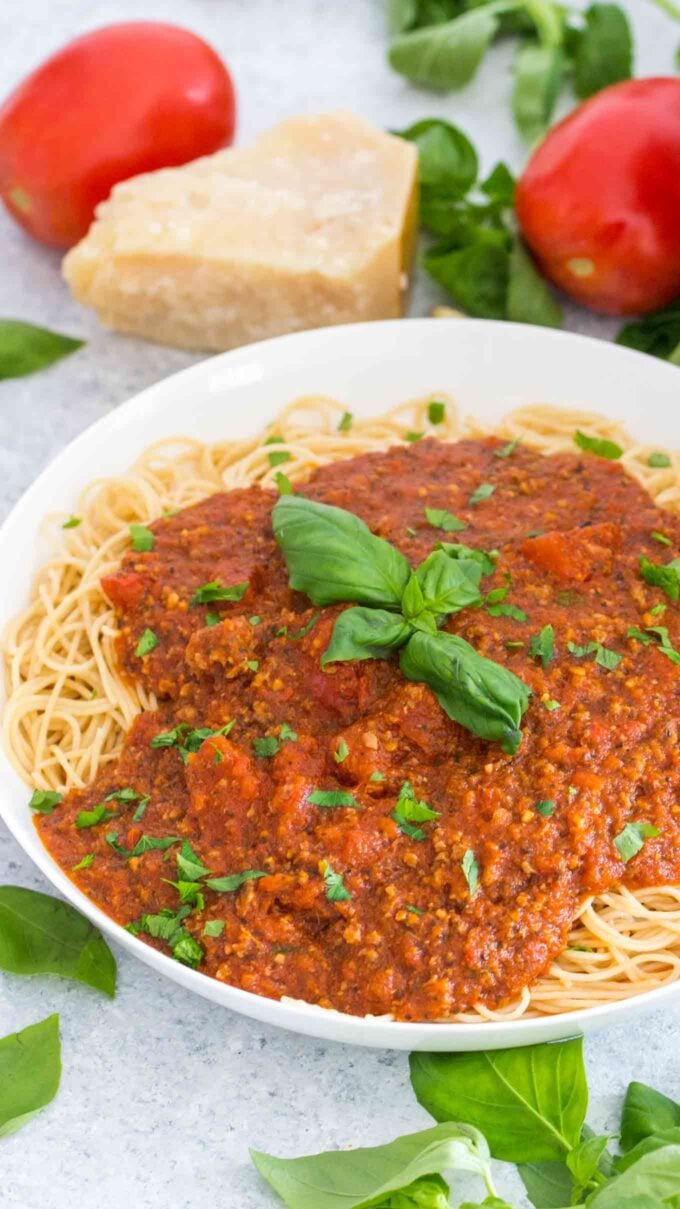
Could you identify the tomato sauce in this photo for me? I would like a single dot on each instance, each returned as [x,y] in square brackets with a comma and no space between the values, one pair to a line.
[599,746]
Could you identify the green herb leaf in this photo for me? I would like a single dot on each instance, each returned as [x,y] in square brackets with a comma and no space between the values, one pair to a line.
[476,275]
[142,538]
[345,422]
[336,891]
[486,558]
[333,556]
[278,456]
[212,619]
[266,747]
[483,492]
[584,1163]
[84,863]
[551,705]
[365,634]
[470,871]
[657,334]
[439,518]
[25,349]
[448,55]
[72,522]
[506,610]
[214,590]
[412,437]
[214,927]
[629,841]
[30,1070]
[659,461]
[529,1103]
[645,1113]
[604,51]
[190,867]
[329,799]
[661,538]
[44,935]
[545,807]
[542,646]
[98,814]
[548,1185]
[233,881]
[603,656]
[481,695]
[283,483]
[529,298]
[436,410]
[598,445]
[44,801]
[538,77]
[153,843]
[448,584]
[375,1176]
[665,577]
[147,643]
[506,451]
[648,1184]
[287,734]
[341,752]
[377,776]
[447,163]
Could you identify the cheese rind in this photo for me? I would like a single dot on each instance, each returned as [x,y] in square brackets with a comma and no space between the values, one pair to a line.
[312,225]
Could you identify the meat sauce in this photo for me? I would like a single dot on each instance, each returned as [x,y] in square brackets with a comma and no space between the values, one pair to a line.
[407,936]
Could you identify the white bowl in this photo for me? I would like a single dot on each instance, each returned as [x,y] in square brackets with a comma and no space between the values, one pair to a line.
[489,368]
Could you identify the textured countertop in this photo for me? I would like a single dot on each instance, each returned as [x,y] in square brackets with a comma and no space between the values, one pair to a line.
[162,1092]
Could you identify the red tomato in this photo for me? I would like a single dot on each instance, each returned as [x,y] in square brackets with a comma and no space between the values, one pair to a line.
[599,201]
[124,99]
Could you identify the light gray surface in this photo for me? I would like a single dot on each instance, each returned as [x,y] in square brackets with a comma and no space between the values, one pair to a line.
[162,1092]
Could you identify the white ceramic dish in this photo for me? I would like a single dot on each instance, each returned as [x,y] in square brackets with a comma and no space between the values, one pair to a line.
[489,368]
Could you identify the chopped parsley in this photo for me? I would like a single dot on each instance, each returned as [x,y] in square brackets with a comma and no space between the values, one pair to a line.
[167,926]
[330,799]
[506,450]
[233,881]
[153,843]
[266,747]
[542,646]
[214,927]
[278,456]
[629,841]
[336,891]
[483,492]
[661,538]
[409,810]
[412,437]
[599,445]
[212,619]
[287,734]
[283,483]
[658,609]
[551,705]
[139,812]
[305,629]
[188,741]
[341,752]
[345,422]
[413,910]
[657,634]
[190,867]
[90,818]
[507,610]
[665,577]
[123,795]
[146,644]
[436,411]
[377,776]
[214,590]
[658,461]
[43,801]
[142,538]
[470,871]
[254,620]
[84,863]
[514,646]
[253,664]
[72,522]
[603,656]
[545,807]
[439,518]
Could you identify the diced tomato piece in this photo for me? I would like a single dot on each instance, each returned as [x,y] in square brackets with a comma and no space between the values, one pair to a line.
[574,553]
[124,589]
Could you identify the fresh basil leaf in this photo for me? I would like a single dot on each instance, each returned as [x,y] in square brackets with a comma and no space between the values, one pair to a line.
[654,1175]
[152,843]
[604,51]
[542,646]
[449,585]
[278,456]
[401,15]
[506,610]
[287,734]
[448,55]
[341,752]
[539,70]
[365,634]
[486,558]
[470,871]
[141,537]
[631,840]
[213,927]
[147,643]
[529,299]
[44,935]
[439,518]
[190,867]
[655,1141]
[366,1176]
[44,801]
[336,891]
[283,483]
[91,818]
[330,799]
[482,696]
[25,349]
[657,334]
[333,556]
[646,1112]
[481,493]
[598,445]
[499,185]
[604,657]
[548,1185]
[447,160]
[214,590]
[584,1163]
[30,1070]
[266,747]
[233,881]
[529,1103]
[476,276]
[546,807]
[665,577]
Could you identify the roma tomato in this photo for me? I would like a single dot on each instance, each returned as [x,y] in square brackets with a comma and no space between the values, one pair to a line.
[599,201]
[124,99]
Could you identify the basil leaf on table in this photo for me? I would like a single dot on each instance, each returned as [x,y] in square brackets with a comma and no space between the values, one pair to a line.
[548,1185]
[657,334]
[646,1112]
[529,1103]
[482,696]
[538,77]
[25,348]
[447,55]
[324,1181]
[333,556]
[477,275]
[366,634]
[654,1175]
[584,1163]
[447,161]
[604,50]
[655,1141]
[30,1070]
[43,935]
[529,299]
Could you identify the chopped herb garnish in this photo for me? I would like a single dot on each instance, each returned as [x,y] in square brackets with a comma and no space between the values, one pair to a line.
[278,456]
[414,436]
[72,522]
[656,634]
[152,843]
[514,646]
[377,776]
[98,814]
[111,838]
[336,891]
[341,752]
[629,841]
[189,892]
[212,619]
[139,812]
[599,445]
[413,910]
[545,807]
[436,411]
[43,801]
[665,577]
[483,492]
[506,610]
[345,422]
[603,656]
[190,867]
[188,741]
[283,483]
[218,757]
[439,518]
[254,620]
[142,538]
[167,926]
[658,461]
[330,799]
[274,439]
[534,533]
[253,664]
[305,629]
[123,795]
[409,810]
[287,734]
[506,450]
[84,863]
[658,610]
[233,881]
[572,791]
[169,738]
[542,646]
[551,705]
[214,927]
[216,591]
[661,538]
[146,644]
[266,747]
[470,871]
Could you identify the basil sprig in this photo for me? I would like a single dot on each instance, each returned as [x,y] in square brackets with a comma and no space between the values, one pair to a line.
[25,348]
[333,556]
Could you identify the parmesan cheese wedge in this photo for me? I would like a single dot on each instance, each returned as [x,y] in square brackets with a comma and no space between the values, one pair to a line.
[314,224]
